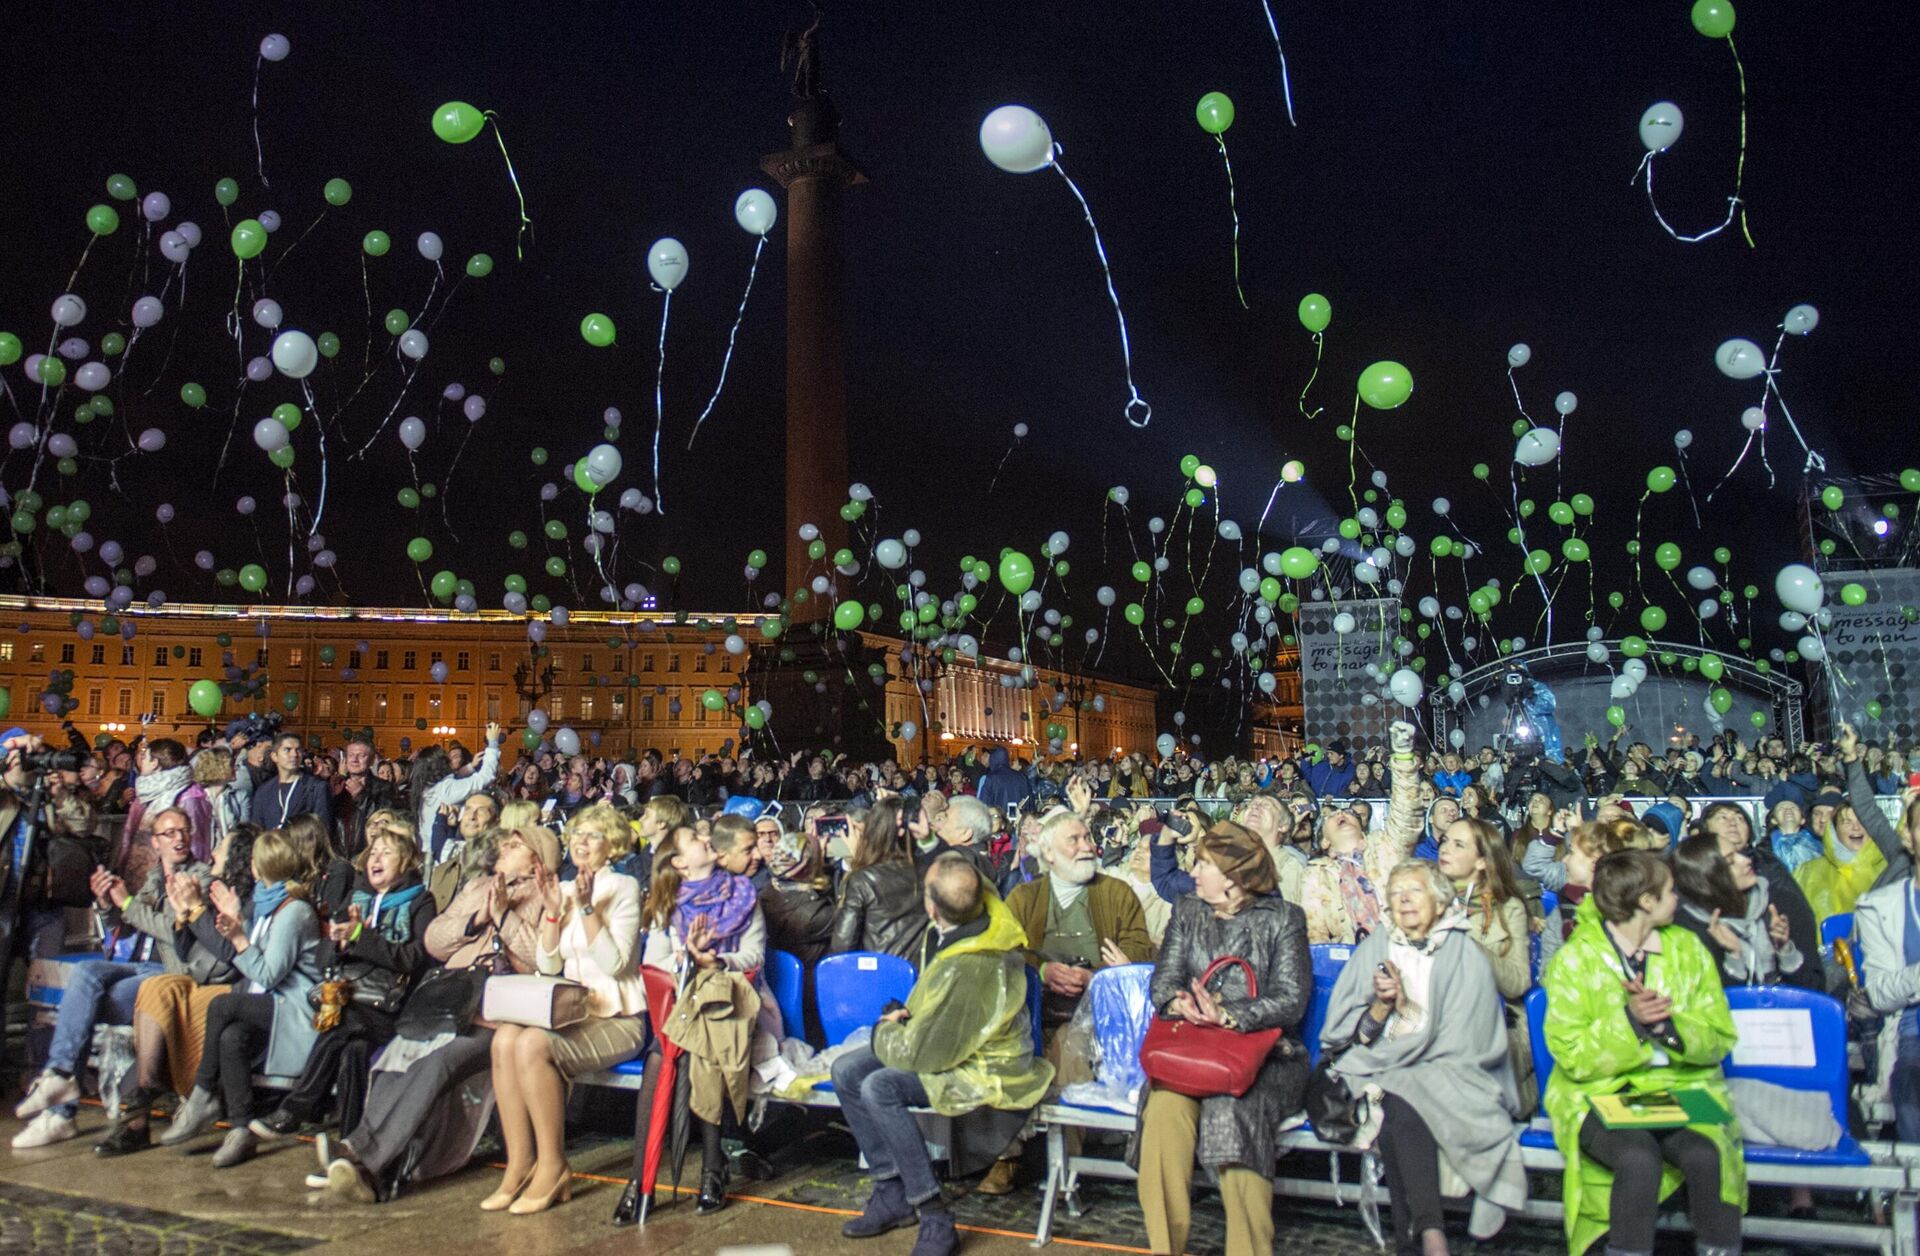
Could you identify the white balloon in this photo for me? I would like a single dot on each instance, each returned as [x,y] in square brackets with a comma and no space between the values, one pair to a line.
[294,354]
[1343,623]
[275,48]
[603,464]
[147,311]
[1622,687]
[1792,621]
[413,343]
[890,554]
[1739,358]
[1701,577]
[1519,355]
[1015,139]
[1636,668]
[1596,653]
[859,492]
[1430,607]
[667,262]
[1798,587]
[1709,608]
[1660,126]
[1457,738]
[1537,447]
[1104,595]
[1441,505]
[908,730]
[69,310]
[430,246]
[267,313]
[1811,649]
[270,434]
[567,742]
[1406,687]
[755,211]
[1753,418]
[1565,403]
[1366,573]
[1682,438]
[1800,320]
[413,433]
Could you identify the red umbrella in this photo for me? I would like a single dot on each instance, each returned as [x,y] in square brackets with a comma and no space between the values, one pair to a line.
[662,991]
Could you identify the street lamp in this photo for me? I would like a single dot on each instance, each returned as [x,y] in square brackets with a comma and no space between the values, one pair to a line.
[532,681]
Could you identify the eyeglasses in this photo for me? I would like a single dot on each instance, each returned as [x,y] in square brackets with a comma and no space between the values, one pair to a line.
[170,832]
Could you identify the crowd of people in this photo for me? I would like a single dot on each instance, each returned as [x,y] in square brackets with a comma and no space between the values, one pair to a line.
[347,925]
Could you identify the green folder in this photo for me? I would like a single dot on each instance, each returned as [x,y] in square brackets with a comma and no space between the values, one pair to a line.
[1659,1109]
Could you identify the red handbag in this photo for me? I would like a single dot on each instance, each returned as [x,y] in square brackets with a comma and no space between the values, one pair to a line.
[1201,1061]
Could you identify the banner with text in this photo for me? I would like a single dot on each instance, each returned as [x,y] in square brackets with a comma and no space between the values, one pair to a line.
[1873,651]
[1338,696]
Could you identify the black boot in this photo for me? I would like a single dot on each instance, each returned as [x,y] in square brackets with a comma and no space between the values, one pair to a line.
[713,1189]
[887,1209]
[129,1132]
[627,1211]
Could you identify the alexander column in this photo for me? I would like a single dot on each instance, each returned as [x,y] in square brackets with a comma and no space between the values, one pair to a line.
[814,172]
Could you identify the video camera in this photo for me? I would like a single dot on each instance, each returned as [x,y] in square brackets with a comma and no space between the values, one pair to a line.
[68,760]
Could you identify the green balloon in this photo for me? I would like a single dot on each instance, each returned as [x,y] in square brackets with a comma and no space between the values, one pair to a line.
[1575,550]
[556,567]
[456,122]
[1189,463]
[1633,647]
[849,615]
[376,243]
[1722,701]
[204,697]
[1910,480]
[816,549]
[539,456]
[10,348]
[1712,666]
[287,415]
[1832,498]
[1616,716]
[1560,513]
[597,330]
[1215,112]
[1269,589]
[1441,546]
[498,366]
[337,191]
[396,322]
[253,577]
[757,559]
[1538,561]
[1481,470]
[1667,556]
[842,557]
[444,584]
[113,344]
[1713,18]
[1581,503]
[1135,614]
[226,191]
[556,529]
[1386,385]
[1195,605]
[670,565]
[583,481]
[756,718]
[1480,602]
[121,188]
[1298,562]
[1874,709]
[1757,718]
[1195,497]
[1652,618]
[1722,555]
[1315,312]
[1660,479]
[1350,529]
[713,700]
[517,539]
[249,238]
[103,220]
[282,457]
[1851,593]
[420,549]
[53,372]
[1016,572]
[479,266]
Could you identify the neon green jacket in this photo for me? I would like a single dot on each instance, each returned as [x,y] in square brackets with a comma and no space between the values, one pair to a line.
[1596,1052]
[966,1033]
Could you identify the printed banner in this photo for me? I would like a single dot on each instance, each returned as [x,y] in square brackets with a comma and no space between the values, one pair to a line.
[1337,696]
[1873,652]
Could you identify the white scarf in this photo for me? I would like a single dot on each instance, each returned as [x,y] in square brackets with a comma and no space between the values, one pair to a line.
[165,785]
[1414,960]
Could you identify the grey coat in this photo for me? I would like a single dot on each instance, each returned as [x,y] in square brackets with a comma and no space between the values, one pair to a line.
[1454,1071]
[286,963]
[150,913]
[1271,935]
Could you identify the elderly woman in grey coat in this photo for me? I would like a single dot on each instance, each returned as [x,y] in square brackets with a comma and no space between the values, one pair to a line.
[1233,910]
[1416,1021]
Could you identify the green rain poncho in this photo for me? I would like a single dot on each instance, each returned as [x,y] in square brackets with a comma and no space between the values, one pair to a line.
[966,1033]
[1596,1052]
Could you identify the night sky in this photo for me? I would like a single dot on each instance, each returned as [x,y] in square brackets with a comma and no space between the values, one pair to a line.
[1458,182]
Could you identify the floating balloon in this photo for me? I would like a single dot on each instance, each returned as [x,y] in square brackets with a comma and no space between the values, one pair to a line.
[1386,385]
[667,262]
[413,432]
[1798,588]
[1537,447]
[1015,139]
[1800,320]
[1660,126]
[1739,358]
[294,354]
[755,211]
[597,330]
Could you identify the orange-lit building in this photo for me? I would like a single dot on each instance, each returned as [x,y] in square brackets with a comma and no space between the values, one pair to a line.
[633,679]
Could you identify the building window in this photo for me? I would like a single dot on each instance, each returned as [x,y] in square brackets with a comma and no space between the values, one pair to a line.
[66,652]
[159,703]
[353,704]
[123,705]
[434,656]
[6,651]
[406,704]
[353,659]
[126,659]
[726,663]
[296,655]
[463,661]
[193,656]
[493,660]
[460,706]
[408,660]
[618,701]
[40,652]
[323,704]
[557,701]
[646,708]
[99,658]
[646,662]
[380,660]
[93,701]
[260,657]
[586,706]
[380,707]
[619,661]
[493,708]
[159,656]
[673,661]
[700,662]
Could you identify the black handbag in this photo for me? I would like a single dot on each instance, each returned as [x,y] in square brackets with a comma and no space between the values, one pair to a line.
[1330,1106]
[69,866]
[370,986]
[446,1000]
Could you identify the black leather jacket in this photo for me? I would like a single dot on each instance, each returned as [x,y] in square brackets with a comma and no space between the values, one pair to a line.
[881,910]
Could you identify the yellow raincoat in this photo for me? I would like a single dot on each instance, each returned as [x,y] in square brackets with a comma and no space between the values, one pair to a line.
[1832,885]
[967,1032]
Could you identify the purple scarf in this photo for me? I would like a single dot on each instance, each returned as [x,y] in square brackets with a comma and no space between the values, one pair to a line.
[725,899]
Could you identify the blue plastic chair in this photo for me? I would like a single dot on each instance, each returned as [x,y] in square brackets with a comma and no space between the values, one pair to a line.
[1542,1062]
[1329,961]
[1034,995]
[787,980]
[1827,1073]
[852,989]
[1833,928]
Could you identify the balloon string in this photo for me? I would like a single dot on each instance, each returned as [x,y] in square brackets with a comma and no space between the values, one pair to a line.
[526,223]
[259,154]
[446,489]
[1319,344]
[1740,163]
[1687,480]
[313,408]
[1353,439]
[1233,209]
[1733,206]
[659,403]
[1126,351]
[1286,86]
[726,361]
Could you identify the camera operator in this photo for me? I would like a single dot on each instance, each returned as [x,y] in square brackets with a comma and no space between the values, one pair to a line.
[47,850]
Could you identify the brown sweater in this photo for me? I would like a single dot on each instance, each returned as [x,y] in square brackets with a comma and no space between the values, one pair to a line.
[1115,908]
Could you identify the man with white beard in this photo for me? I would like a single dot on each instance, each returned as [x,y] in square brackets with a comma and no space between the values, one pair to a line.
[1076,919]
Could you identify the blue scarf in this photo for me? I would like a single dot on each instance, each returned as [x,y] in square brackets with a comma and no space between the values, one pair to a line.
[267,897]
[395,921]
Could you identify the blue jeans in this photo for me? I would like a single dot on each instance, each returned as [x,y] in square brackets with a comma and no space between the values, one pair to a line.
[98,992]
[876,1100]
[1904,1083]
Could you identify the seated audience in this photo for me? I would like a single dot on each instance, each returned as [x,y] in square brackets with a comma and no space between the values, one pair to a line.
[1634,1005]
[1340,893]
[962,1046]
[880,899]
[1415,1012]
[1725,903]
[1887,926]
